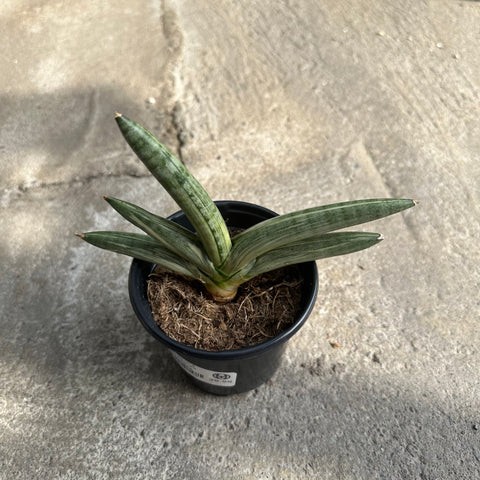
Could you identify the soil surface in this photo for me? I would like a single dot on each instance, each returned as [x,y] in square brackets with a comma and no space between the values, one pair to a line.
[263,307]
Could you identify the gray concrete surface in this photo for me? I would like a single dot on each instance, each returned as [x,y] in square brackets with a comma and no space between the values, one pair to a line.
[286,104]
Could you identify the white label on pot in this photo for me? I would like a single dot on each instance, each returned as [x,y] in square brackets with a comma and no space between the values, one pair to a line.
[221,379]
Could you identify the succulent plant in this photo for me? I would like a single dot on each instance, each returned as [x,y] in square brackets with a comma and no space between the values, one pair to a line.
[210,255]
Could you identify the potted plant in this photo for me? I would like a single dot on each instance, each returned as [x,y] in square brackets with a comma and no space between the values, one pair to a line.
[224,246]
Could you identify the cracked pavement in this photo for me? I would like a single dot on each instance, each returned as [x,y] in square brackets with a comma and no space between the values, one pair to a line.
[284,104]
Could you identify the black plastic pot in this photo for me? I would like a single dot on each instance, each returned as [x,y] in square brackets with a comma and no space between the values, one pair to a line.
[230,371]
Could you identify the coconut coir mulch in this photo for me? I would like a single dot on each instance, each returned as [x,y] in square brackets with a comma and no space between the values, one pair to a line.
[263,307]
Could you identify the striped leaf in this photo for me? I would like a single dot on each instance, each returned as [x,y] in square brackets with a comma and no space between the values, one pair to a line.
[285,230]
[171,235]
[142,247]
[313,248]
[182,186]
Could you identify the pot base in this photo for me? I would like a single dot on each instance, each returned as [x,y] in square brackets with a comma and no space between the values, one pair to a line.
[235,376]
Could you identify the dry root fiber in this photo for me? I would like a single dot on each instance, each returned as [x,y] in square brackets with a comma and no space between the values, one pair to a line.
[264,307]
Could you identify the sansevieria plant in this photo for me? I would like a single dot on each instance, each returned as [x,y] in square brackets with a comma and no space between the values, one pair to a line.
[210,255]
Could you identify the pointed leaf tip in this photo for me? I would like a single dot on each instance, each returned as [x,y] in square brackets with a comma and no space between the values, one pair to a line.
[182,187]
[81,235]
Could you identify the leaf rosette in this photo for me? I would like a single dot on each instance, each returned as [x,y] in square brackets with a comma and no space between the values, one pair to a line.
[210,255]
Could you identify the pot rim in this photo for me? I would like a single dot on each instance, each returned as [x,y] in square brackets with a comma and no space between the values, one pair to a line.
[140,270]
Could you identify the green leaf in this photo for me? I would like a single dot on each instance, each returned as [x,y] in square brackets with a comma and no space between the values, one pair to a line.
[286,229]
[314,248]
[182,186]
[142,247]
[173,236]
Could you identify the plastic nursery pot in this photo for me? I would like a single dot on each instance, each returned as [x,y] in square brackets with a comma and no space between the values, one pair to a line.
[229,371]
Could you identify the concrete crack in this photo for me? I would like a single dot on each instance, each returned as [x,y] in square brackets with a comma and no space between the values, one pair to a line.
[76,181]
[180,132]
[175,42]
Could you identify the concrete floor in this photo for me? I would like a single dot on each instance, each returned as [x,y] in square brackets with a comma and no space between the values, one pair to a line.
[284,104]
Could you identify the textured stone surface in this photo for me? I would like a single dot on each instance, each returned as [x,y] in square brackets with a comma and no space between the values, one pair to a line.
[285,104]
